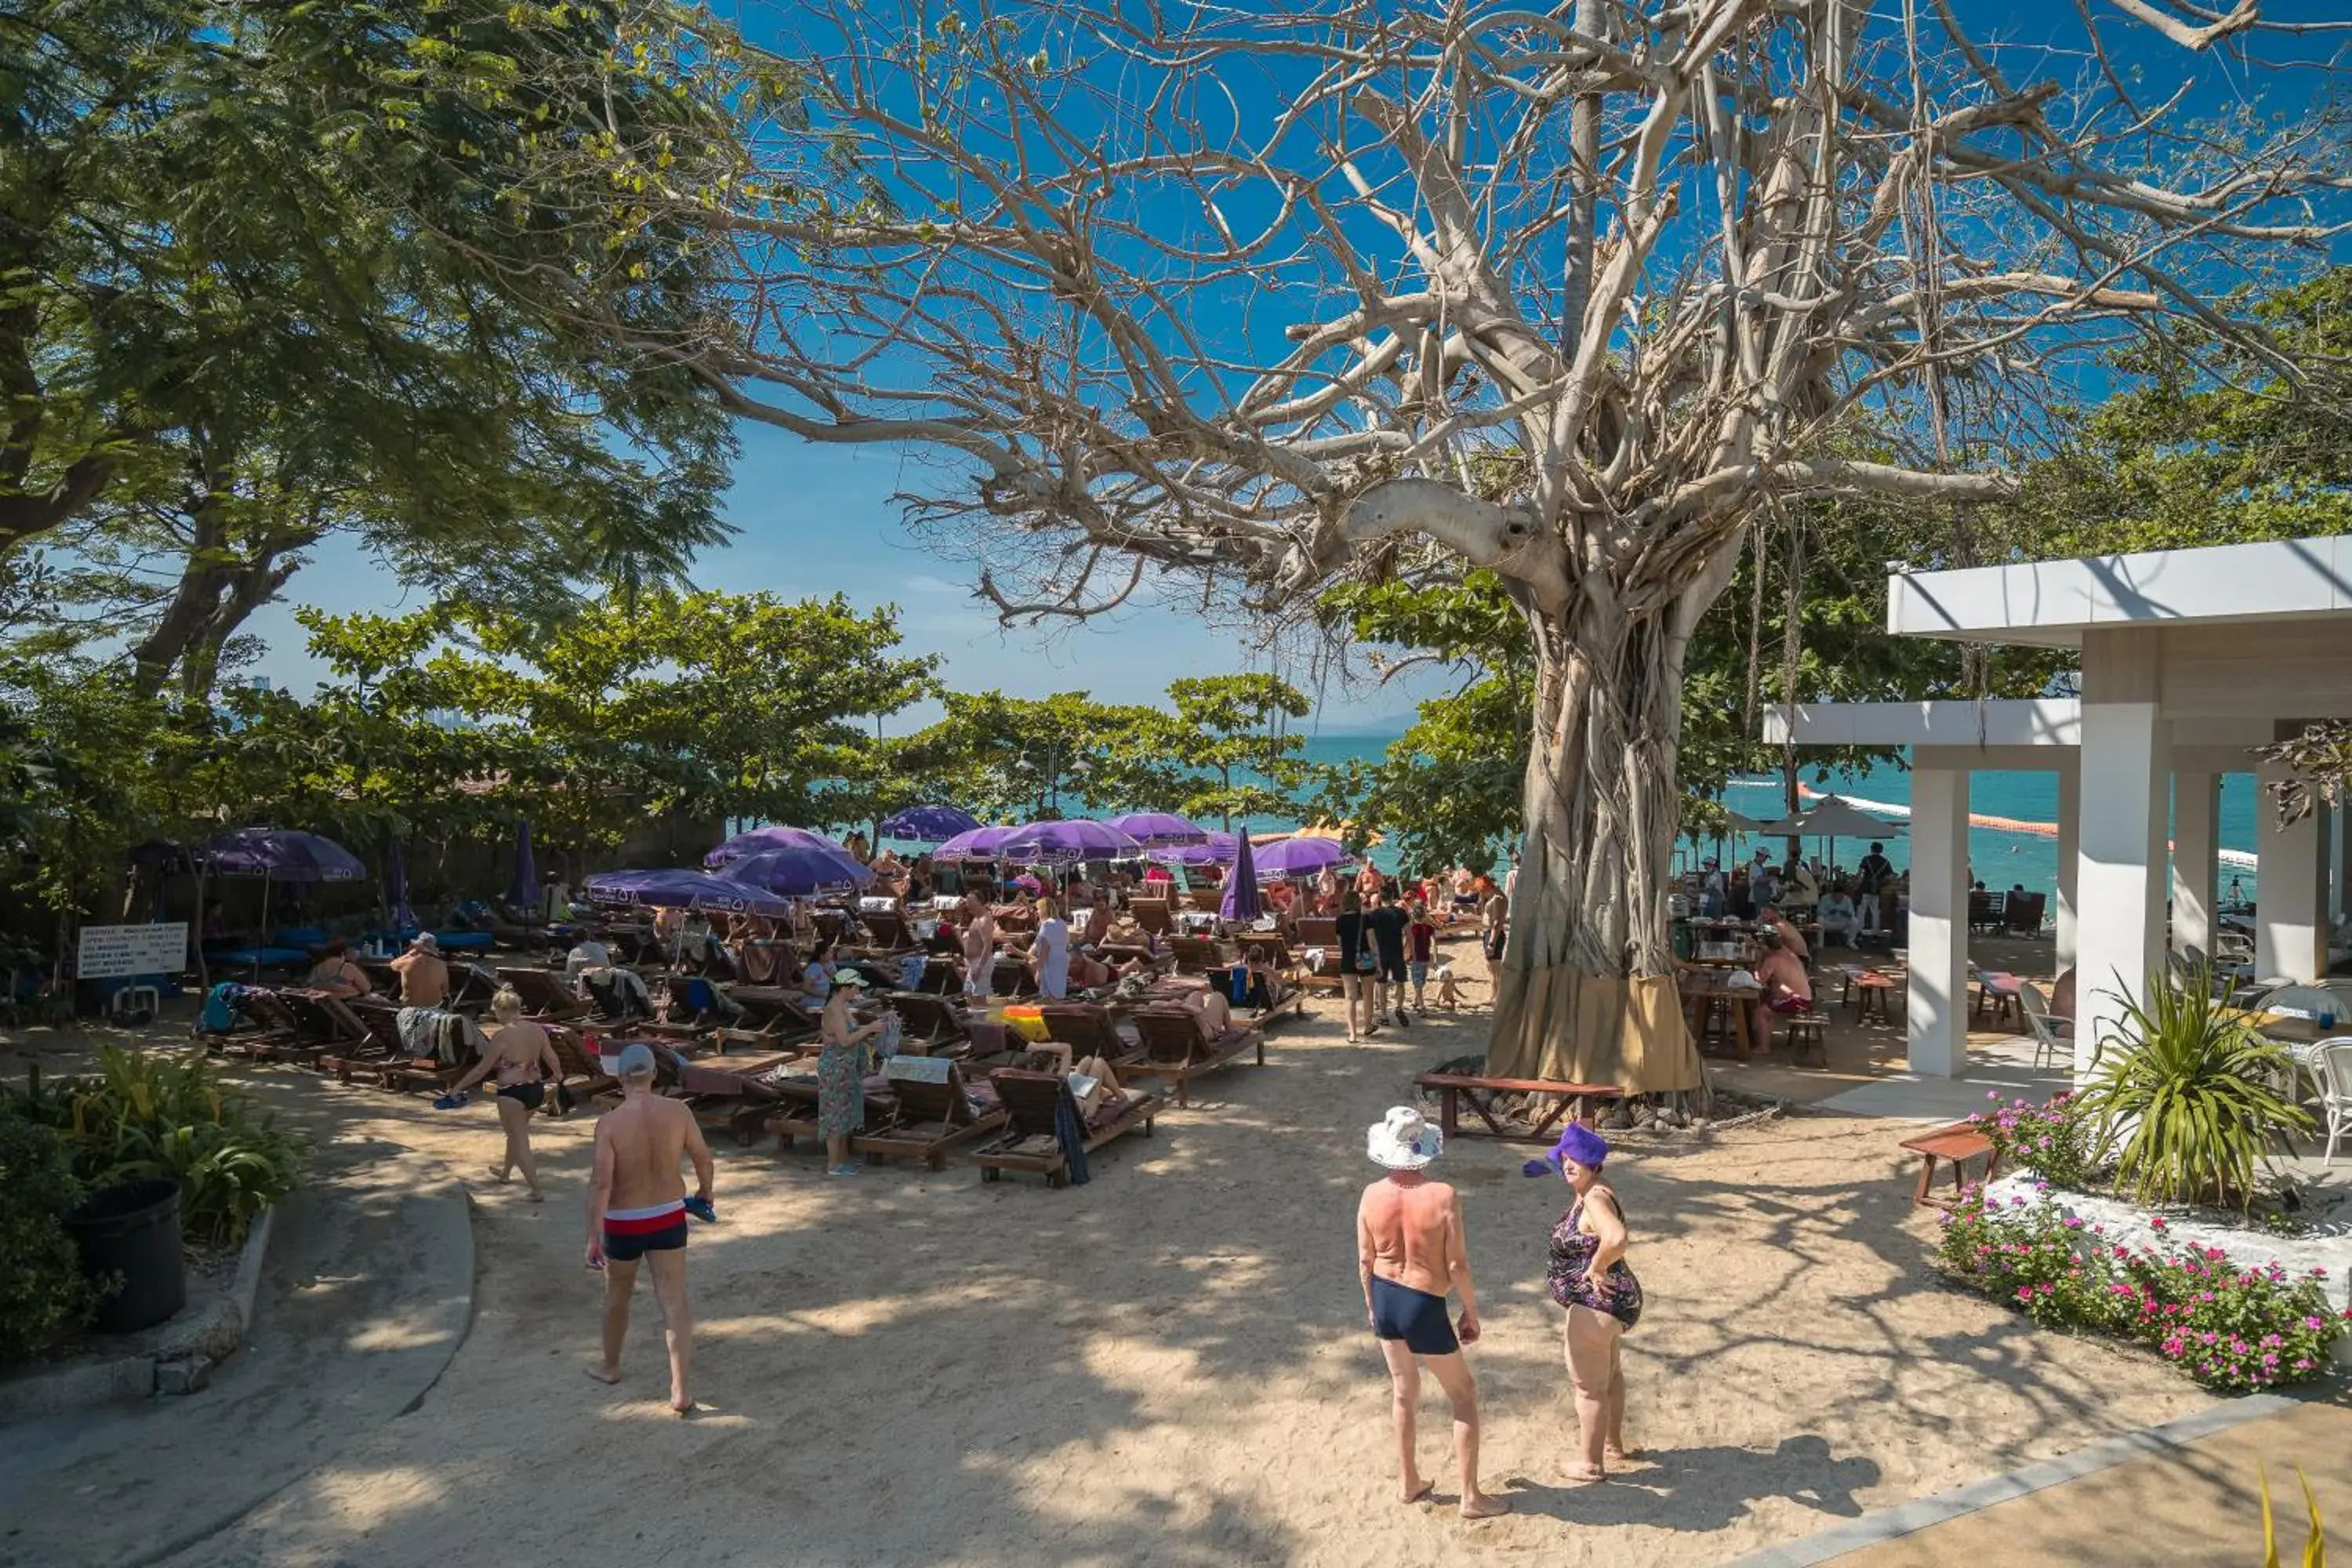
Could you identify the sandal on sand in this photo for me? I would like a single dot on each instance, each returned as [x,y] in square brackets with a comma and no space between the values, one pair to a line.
[843,1170]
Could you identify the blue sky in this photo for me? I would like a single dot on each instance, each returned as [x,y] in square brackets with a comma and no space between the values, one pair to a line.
[814,520]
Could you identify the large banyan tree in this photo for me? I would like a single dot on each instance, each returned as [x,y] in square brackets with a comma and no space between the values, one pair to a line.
[1570,292]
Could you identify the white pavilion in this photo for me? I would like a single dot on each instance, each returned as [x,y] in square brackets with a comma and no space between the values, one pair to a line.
[2189,657]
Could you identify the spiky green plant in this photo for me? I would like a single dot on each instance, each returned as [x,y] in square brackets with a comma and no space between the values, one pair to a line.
[2185,1092]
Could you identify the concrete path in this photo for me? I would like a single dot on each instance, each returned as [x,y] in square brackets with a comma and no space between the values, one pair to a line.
[2166,1498]
[367,1293]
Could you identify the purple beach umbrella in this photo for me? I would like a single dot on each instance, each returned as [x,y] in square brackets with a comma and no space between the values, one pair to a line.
[797,872]
[759,840]
[1075,838]
[1158,829]
[1291,858]
[929,824]
[1241,901]
[282,855]
[681,889]
[973,844]
[1217,851]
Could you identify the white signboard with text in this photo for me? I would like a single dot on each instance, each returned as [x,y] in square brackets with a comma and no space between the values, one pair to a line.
[109,953]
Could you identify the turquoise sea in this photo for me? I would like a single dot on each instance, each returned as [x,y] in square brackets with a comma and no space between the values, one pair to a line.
[1999,857]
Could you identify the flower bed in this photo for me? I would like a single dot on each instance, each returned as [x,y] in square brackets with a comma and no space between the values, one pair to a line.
[2228,1321]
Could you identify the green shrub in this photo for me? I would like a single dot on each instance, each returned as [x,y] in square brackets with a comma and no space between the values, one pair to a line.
[2226,1327]
[2187,1096]
[146,1114]
[42,1292]
[2056,1140]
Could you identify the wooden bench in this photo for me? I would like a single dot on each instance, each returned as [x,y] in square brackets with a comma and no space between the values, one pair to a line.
[1997,991]
[1959,1143]
[1454,1088]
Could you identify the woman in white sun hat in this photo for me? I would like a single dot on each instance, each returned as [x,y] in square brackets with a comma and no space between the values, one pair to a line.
[1413,1250]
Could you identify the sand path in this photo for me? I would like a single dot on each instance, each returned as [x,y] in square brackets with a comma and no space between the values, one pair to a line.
[1169,1365]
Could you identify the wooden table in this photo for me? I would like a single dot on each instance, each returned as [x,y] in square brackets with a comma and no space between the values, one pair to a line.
[1959,1143]
[1867,989]
[1701,988]
[1997,989]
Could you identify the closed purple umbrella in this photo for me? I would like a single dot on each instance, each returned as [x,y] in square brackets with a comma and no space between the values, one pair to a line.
[524,895]
[797,872]
[1074,839]
[395,889]
[1241,901]
[1292,857]
[1158,829]
[681,889]
[929,824]
[761,839]
[973,844]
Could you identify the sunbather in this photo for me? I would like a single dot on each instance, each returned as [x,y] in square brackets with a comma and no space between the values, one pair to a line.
[637,1209]
[336,976]
[1211,1012]
[1102,1087]
[424,978]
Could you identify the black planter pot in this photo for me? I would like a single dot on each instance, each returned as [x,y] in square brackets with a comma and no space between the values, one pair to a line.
[132,1231]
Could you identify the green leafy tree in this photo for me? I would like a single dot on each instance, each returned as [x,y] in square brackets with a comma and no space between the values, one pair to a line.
[271,272]
[1023,758]
[1230,725]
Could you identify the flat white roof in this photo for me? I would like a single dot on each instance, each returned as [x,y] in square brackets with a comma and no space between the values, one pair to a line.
[2053,602]
[2005,721]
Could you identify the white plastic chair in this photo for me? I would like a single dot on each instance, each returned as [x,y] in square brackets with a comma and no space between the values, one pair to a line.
[2331,1063]
[2049,1045]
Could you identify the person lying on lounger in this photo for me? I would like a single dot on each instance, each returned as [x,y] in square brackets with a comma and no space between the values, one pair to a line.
[1100,1086]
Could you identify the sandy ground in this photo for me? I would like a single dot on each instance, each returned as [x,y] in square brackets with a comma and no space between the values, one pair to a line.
[1169,1365]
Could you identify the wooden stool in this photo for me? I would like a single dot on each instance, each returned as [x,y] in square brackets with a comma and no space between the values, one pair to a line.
[1871,991]
[1959,1143]
[1805,1030]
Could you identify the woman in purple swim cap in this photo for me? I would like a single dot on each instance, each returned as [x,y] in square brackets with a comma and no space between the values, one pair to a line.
[1589,1278]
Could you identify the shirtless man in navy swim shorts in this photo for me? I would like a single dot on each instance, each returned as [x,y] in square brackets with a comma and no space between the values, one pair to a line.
[637,1209]
[1412,1249]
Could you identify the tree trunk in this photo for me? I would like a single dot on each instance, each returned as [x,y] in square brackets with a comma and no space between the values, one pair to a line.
[1584,990]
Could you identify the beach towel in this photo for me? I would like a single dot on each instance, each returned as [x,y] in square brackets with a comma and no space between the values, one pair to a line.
[220,1013]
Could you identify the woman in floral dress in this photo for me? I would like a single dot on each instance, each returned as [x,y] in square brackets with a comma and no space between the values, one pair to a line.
[841,1072]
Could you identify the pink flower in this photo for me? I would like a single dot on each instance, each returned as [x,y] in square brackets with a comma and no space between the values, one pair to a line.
[2313,1323]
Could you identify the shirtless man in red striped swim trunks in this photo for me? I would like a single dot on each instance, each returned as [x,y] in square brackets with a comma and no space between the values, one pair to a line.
[637,1209]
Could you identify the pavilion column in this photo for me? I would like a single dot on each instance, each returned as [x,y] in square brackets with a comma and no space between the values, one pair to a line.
[2122,871]
[2196,819]
[2070,813]
[2290,890]
[1936,1027]
[2344,861]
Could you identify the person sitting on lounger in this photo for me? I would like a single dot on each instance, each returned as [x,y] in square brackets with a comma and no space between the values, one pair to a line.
[336,976]
[1211,1012]
[816,976]
[423,976]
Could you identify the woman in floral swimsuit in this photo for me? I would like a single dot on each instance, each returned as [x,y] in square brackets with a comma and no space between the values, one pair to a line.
[1588,1277]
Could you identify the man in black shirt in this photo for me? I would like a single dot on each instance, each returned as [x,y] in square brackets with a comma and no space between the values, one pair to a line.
[1384,923]
[1876,871]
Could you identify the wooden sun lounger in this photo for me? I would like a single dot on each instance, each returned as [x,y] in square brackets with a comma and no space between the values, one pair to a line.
[271,1028]
[931,1021]
[1195,954]
[381,1047]
[1154,916]
[1031,1100]
[887,934]
[930,1119]
[1089,1030]
[731,1092]
[584,1074]
[1285,995]
[794,1115]
[323,1023]
[1173,1047]
[544,995]
[1457,1087]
